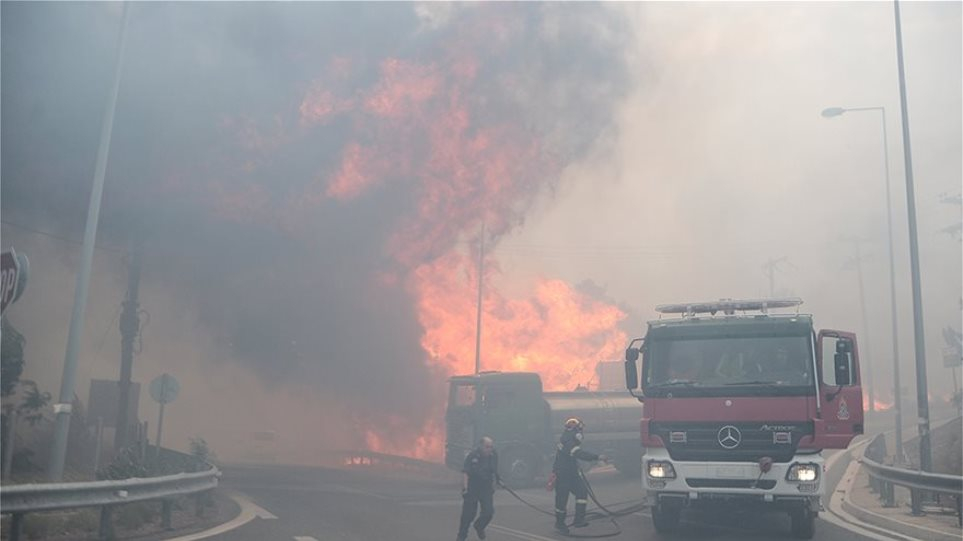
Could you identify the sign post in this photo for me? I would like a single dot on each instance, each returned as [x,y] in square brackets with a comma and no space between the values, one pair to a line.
[163,389]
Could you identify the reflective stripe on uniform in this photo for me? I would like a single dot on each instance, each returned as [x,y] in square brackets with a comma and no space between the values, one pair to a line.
[574,450]
[560,511]
[581,501]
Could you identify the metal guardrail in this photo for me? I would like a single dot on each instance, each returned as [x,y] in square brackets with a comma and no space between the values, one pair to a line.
[919,483]
[18,500]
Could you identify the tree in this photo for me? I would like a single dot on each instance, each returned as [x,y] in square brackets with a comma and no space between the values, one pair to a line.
[11,355]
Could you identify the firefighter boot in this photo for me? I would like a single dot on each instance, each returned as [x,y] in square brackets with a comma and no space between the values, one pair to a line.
[560,523]
[580,521]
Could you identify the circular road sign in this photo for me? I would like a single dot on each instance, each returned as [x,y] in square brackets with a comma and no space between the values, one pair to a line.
[164,388]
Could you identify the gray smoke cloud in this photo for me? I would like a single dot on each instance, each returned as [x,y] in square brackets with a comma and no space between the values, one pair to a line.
[233,122]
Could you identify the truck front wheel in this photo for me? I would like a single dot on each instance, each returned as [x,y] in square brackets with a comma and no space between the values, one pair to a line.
[803,523]
[665,518]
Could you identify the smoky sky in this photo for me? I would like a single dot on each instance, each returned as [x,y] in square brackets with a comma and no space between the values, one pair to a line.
[212,163]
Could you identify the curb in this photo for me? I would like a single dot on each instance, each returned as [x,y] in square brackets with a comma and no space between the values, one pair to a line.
[898,526]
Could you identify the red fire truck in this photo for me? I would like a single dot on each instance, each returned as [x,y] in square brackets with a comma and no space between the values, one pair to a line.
[739,404]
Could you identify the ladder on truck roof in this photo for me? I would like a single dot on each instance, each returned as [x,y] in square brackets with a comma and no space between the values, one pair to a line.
[728,306]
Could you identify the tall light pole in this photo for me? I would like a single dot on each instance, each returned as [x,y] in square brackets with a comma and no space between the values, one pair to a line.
[922,395]
[58,453]
[894,331]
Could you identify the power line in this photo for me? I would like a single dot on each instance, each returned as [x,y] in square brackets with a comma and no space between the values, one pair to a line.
[58,237]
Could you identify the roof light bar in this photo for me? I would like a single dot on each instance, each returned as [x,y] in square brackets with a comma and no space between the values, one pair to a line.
[728,306]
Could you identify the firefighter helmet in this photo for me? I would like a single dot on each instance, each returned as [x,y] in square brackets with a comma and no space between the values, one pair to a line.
[574,423]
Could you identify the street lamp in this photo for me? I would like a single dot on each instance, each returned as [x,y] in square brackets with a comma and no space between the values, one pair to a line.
[831,112]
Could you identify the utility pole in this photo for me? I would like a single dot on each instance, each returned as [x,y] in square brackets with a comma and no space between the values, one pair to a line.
[129,329]
[478,319]
[857,262]
[922,394]
[62,409]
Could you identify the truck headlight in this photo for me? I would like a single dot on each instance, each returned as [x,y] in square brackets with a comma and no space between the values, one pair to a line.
[660,469]
[805,473]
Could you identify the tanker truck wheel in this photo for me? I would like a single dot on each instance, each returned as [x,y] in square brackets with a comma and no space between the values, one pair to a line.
[519,467]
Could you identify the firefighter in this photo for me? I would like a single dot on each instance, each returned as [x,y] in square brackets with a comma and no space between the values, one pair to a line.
[566,476]
[479,476]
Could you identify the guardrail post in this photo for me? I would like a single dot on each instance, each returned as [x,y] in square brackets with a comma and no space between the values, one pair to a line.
[106,524]
[916,502]
[167,507]
[16,527]
[889,494]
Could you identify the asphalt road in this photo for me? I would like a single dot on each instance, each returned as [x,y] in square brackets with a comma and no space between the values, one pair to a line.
[365,504]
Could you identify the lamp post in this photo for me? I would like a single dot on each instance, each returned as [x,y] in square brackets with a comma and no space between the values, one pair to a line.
[62,409]
[894,332]
[919,339]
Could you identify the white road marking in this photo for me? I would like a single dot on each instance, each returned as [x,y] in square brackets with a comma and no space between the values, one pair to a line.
[249,511]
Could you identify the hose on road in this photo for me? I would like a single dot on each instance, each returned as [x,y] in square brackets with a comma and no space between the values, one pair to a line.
[601,512]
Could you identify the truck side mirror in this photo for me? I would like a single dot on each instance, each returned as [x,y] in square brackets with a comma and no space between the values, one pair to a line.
[631,376]
[842,361]
[631,369]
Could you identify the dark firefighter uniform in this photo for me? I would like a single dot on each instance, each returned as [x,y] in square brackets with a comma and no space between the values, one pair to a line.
[568,478]
[481,468]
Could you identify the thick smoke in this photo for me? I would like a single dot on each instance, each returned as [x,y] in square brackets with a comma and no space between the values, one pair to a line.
[289,165]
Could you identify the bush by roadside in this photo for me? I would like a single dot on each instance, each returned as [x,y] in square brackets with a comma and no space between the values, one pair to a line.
[946,442]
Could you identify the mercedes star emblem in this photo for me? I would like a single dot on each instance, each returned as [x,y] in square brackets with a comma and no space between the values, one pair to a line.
[729,437]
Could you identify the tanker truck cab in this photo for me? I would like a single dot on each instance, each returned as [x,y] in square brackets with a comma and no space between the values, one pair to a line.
[525,422]
[738,408]
[506,406]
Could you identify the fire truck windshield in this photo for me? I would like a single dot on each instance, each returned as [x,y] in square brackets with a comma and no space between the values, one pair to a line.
[735,362]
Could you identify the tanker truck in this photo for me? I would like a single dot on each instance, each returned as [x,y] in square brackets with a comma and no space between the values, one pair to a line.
[739,404]
[525,423]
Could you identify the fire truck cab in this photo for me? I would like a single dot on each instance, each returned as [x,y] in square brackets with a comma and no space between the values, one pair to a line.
[739,404]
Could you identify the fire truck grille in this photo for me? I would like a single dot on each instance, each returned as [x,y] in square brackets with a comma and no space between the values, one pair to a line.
[731,442]
[764,484]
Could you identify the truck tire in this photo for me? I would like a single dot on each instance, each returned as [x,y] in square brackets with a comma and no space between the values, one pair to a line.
[519,467]
[665,518]
[803,523]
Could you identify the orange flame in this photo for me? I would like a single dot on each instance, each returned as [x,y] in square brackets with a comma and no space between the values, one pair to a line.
[425,446]
[424,124]
[881,405]
[558,332]
[423,127]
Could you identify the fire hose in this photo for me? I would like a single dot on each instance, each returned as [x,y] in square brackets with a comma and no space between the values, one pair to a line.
[602,512]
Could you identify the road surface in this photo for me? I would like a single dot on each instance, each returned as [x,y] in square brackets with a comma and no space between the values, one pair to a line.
[363,504]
